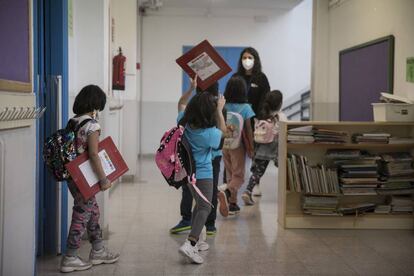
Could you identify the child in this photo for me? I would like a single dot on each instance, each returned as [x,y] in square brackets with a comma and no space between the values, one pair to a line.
[187,198]
[202,115]
[234,159]
[90,100]
[265,152]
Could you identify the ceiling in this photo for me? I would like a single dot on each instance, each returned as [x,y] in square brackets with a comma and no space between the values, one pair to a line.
[229,4]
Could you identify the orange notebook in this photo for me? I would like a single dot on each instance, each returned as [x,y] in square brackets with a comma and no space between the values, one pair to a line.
[206,62]
[83,175]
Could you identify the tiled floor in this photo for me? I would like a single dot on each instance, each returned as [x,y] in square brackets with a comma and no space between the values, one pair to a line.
[249,244]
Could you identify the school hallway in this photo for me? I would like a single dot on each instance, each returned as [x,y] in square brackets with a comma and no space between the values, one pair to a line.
[251,243]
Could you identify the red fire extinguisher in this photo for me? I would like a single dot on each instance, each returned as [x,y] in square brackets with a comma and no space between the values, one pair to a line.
[118,75]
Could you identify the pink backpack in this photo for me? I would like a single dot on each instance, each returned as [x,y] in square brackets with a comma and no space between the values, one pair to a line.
[265,131]
[174,158]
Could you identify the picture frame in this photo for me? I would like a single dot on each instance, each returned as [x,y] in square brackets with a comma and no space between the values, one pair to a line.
[206,62]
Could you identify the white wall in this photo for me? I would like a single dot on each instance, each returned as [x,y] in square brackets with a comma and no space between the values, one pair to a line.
[350,23]
[282,38]
[18,200]
[124,13]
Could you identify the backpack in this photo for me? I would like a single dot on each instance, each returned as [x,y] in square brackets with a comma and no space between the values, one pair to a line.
[60,148]
[235,121]
[265,130]
[174,158]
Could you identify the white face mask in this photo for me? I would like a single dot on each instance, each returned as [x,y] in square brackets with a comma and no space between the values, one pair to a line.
[248,63]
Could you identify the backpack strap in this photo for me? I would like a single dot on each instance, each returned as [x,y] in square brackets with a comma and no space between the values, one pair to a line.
[75,127]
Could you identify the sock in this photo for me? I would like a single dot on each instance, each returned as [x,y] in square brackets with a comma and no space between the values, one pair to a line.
[192,241]
[97,245]
[71,252]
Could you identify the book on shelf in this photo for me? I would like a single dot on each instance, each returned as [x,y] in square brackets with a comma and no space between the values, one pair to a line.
[320,205]
[382,209]
[358,191]
[310,134]
[356,208]
[311,179]
[402,204]
[400,140]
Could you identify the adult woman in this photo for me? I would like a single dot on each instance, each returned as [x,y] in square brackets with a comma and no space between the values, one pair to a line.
[250,68]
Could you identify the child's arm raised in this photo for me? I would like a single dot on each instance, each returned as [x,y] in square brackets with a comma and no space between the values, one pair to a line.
[219,113]
[182,102]
[93,141]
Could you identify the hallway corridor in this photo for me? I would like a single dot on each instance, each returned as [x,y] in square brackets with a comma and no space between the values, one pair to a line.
[248,244]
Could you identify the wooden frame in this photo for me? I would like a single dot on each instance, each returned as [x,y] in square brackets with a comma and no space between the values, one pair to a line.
[290,213]
[17,85]
[391,40]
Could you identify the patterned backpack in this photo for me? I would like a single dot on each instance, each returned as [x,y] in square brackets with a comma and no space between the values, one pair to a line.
[265,131]
[174,158]
[235,122]
[60,148]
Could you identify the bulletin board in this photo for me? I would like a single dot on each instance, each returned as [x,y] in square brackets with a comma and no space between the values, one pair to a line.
[15,46]
[365,71]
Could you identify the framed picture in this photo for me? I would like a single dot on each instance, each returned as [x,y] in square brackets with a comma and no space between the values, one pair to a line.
[15,46]
[206,62]
[365,71]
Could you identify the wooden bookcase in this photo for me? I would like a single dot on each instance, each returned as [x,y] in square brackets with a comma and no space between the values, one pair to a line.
[290,213]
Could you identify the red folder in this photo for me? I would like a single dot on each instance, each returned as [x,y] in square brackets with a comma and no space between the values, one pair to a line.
[83,175]
[204,61]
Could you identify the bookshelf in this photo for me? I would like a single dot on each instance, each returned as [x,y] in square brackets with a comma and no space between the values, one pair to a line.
[290,213]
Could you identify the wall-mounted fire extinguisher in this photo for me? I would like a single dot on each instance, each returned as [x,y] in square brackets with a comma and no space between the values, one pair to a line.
[118,74]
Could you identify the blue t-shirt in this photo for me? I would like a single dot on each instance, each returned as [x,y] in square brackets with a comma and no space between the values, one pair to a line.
[245,110]
[202,141]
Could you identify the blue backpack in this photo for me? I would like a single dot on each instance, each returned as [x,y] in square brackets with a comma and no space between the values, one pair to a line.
[60,148]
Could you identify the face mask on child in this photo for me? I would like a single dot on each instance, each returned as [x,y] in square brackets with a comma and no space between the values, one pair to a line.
[248,63]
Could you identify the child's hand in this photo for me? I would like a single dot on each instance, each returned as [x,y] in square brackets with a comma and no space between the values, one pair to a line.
[106,186]
[193,82]
[220,103]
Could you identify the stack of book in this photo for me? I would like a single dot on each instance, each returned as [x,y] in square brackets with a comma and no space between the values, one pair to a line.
[311,179]
[382,209]
[400,140]
[397,165]
[329,136]
[301,135]
[320,205]
[371,138]
[310,134]
[402,204]
[356,208]
[358,171]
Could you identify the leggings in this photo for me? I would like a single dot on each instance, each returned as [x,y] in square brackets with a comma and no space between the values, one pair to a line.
[258,169]
[201,209]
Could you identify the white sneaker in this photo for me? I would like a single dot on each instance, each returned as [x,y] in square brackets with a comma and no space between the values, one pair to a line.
[103,256]
[73,263]
[256,191]
[222,187]
[202,246]
[190,252]
[203,234]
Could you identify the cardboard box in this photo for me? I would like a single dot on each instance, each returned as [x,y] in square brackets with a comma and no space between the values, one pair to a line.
[393,112]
